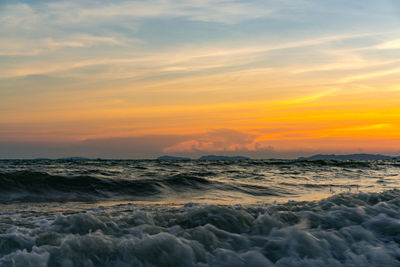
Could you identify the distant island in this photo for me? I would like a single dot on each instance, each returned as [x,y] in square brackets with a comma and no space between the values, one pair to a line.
[362,156]
[166,157]
[214,157]
[74,158]
[208,157]
[349,157]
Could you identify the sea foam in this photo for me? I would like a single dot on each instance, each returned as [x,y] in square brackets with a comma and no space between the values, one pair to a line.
[344,230]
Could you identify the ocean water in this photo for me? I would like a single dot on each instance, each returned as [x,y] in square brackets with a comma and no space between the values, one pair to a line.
[199,213]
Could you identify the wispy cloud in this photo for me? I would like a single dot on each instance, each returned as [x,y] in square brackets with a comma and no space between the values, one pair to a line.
[370,75]
[20,47]
[223,11]
[183,59]
[392,44]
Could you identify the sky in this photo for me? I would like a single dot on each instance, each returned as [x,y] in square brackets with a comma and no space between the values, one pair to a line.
[140,79]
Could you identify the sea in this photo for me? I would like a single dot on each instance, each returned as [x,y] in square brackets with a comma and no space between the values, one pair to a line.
[199,213]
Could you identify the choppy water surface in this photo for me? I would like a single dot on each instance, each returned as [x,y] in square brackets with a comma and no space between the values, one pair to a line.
[199,213]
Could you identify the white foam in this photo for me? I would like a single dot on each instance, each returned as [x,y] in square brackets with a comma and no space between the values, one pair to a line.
[344,230]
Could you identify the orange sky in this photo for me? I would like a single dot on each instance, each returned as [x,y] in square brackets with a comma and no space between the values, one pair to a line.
[218,79]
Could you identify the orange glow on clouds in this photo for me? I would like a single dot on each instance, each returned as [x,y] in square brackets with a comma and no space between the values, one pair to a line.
[216,84]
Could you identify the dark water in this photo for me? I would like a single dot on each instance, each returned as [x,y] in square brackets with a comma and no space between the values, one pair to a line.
[199,213]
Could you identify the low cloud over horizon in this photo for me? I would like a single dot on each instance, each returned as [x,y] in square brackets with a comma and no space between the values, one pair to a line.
[220,142]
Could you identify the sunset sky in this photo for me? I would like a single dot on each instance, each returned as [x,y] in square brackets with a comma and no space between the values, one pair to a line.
[139,79]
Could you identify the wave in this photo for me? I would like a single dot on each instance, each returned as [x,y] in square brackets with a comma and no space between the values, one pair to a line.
[40,186]
[28,186]
[115,180]
[323,163]
[343,230]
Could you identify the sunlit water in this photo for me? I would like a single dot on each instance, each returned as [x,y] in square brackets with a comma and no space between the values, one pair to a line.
[199,213]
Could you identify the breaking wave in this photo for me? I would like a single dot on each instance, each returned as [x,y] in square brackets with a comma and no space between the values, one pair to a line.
[343,230]
[28,186]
